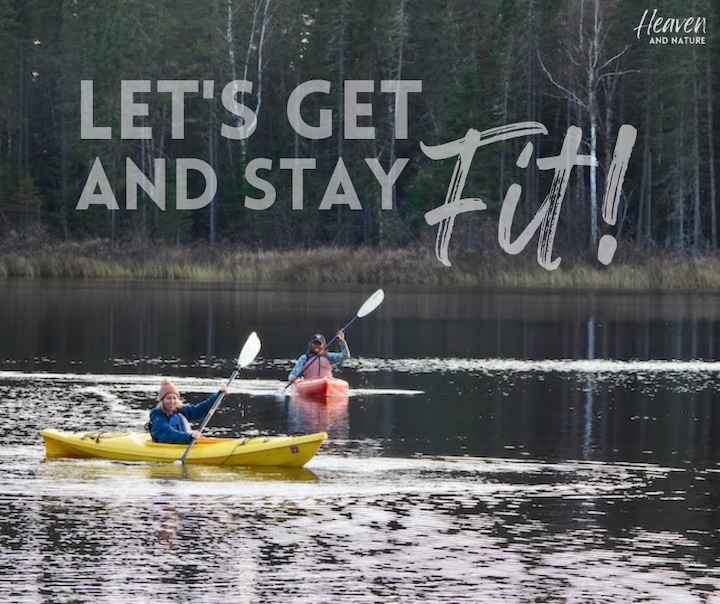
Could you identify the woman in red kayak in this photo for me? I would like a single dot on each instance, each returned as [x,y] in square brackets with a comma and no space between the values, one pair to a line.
[317,362]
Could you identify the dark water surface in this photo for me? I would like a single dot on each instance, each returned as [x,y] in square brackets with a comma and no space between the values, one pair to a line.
[497,447]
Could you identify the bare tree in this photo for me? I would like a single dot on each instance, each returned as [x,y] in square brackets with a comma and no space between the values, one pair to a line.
[254,53]
[261,17]
[395,59]
[589,65]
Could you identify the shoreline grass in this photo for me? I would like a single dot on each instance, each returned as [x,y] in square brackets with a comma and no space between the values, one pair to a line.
[102,260]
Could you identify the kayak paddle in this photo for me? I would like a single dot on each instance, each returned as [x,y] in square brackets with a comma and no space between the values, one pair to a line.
[247,355]
[370,305]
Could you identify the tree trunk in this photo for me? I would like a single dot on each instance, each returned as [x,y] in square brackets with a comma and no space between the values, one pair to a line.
[23,119]
[593,176]
[531,176]
[711,157]
[696,169]
[643,229]
[63,174]
[400,33]
[680,194]
[143,166]
[212,141]
[261,45]
[342,32]
[248,54]
[112,212]
[159,152]
[230,40]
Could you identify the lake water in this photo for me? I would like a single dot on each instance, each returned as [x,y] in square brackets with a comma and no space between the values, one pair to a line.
[497,447]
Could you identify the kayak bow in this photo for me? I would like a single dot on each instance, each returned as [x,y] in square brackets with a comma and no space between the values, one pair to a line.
[319,388]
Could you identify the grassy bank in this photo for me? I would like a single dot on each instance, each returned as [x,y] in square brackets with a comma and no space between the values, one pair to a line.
[102,260]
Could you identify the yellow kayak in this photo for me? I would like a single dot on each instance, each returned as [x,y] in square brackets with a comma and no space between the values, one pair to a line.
[288,451]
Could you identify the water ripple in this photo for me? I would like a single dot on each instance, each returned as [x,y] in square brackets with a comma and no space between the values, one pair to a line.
[365,530]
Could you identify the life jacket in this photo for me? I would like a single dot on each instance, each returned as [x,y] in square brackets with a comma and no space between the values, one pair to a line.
[179,422]
[316,367]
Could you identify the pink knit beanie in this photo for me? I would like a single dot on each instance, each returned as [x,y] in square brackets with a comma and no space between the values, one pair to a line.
[167,387]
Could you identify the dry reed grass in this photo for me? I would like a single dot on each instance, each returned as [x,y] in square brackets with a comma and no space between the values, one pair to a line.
[102,260]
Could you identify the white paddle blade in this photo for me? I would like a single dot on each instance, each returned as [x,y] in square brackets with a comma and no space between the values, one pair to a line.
[371,303]
[249,351]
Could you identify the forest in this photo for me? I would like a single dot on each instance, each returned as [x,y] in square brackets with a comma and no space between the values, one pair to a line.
[587,66]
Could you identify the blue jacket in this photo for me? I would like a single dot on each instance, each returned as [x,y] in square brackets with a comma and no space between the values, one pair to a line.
[333,357]
[161,430]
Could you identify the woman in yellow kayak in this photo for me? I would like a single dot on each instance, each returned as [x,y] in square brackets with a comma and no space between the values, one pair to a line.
[308,366]
[170,419]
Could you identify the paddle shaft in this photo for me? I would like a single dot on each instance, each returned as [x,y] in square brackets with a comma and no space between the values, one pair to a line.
[216,404]
[209,414]
[247,355]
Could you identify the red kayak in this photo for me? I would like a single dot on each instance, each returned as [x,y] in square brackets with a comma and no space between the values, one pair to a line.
[321,387]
